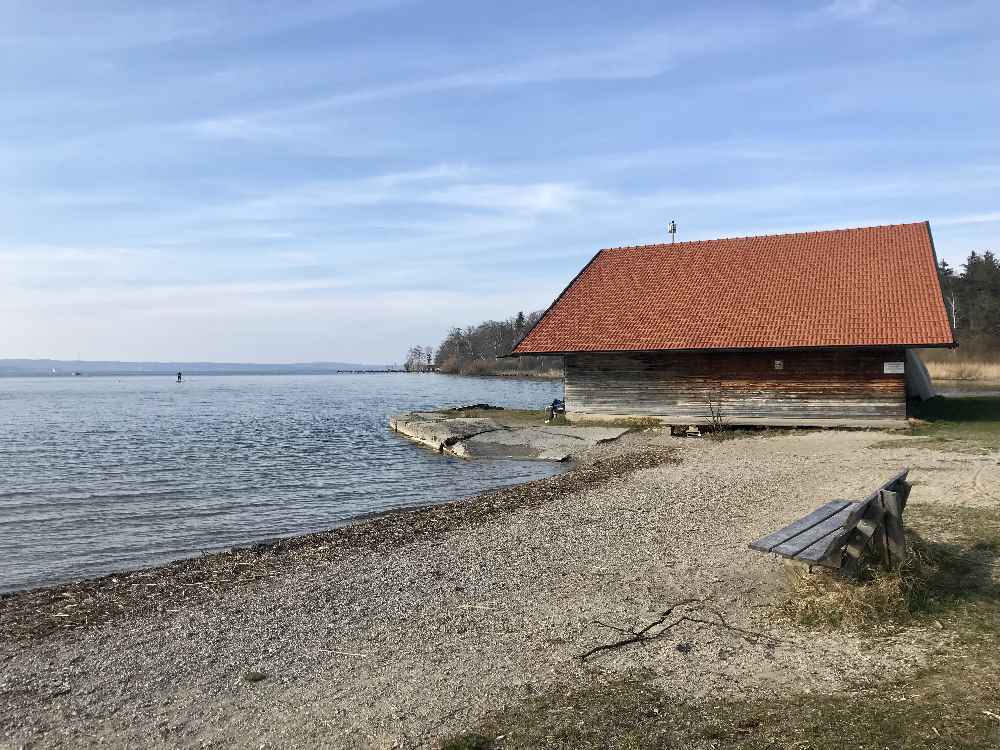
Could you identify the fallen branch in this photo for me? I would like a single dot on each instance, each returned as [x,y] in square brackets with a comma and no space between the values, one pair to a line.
[636,636]
[643,634]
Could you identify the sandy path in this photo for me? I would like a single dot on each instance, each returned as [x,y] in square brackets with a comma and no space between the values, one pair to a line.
[391,648]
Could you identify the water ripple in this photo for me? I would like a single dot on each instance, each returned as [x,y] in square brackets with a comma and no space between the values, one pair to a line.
[100,474]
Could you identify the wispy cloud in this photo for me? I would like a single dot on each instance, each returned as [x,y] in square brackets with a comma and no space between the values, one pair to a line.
[872,10]
[440,185]
[125,25]
[983,218]
[635,55]
[544,197]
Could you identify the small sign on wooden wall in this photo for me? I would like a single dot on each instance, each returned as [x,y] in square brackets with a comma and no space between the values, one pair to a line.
[894,368]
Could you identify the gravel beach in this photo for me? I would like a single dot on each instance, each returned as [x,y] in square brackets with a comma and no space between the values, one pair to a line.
[401,628]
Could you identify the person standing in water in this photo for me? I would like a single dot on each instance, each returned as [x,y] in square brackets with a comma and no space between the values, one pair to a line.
[179,378]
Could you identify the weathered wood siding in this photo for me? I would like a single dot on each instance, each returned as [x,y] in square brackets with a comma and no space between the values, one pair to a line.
[813,387]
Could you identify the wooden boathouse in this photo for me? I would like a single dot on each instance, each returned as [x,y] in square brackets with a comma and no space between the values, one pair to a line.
[810,329]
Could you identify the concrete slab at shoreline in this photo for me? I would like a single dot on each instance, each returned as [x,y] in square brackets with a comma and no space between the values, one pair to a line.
[484,437]
[437,431]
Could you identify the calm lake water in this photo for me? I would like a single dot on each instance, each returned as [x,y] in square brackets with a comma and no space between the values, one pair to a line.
[98,474]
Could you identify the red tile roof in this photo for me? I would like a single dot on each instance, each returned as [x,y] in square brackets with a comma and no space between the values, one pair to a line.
[875,286]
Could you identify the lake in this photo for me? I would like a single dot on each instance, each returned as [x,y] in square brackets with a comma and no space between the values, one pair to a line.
[99,474]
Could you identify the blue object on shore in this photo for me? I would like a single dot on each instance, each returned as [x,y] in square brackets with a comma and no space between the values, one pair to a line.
[558,406]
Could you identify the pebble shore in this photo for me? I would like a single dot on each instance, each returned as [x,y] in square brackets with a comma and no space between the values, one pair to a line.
[400,628]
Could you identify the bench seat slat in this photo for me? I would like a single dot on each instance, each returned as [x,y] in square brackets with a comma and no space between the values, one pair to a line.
[816,552]
[772,540]
[800,542]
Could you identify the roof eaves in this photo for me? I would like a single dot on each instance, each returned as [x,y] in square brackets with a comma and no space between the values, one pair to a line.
[937,276]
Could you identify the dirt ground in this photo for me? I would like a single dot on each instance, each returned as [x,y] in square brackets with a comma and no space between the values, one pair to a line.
[338,643]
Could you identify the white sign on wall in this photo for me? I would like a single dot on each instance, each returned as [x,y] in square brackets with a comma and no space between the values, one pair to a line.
[894,368]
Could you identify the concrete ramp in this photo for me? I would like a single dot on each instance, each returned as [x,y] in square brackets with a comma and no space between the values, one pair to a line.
[439,432]
[543,443]
[485,438]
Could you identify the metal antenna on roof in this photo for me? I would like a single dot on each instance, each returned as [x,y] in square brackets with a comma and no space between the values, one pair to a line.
[673,230]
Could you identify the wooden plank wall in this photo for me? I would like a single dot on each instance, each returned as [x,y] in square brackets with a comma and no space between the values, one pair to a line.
[815,385]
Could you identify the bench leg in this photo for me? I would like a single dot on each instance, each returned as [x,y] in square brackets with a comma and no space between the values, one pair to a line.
[895,538]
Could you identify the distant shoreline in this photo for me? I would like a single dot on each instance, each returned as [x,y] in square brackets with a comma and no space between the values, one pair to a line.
[25,366]
[190,373]
[231,373]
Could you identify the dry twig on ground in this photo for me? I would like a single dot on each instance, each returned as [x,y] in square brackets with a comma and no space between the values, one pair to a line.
[649,631]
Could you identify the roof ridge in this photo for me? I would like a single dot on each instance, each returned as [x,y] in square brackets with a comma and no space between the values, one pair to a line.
[762,236]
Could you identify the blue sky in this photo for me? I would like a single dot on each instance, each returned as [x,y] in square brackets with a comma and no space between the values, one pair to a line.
[338,180]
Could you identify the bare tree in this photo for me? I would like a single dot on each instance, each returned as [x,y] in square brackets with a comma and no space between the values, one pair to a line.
[716,417]
[414,359]
[479,349]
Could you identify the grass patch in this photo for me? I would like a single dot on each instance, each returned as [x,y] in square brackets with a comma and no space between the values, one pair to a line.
[956,423]
[537,417]
[954,703]
[884,602]
[923,711]
[938,577]
[966,410]
[505,417]
[919,441]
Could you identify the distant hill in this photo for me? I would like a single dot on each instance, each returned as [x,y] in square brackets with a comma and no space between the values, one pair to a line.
[25,367]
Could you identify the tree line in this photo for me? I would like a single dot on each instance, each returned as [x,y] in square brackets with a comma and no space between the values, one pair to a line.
[477,350]
[972,298]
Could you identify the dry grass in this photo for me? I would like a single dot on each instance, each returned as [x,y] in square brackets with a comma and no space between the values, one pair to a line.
[968,370]
[881,601]
[540,417]
[935,579]
[961,424]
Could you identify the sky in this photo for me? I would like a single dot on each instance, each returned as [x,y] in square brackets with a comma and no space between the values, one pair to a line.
[304,181]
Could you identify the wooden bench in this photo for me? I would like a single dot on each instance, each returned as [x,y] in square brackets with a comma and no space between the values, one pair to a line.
[839,531]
